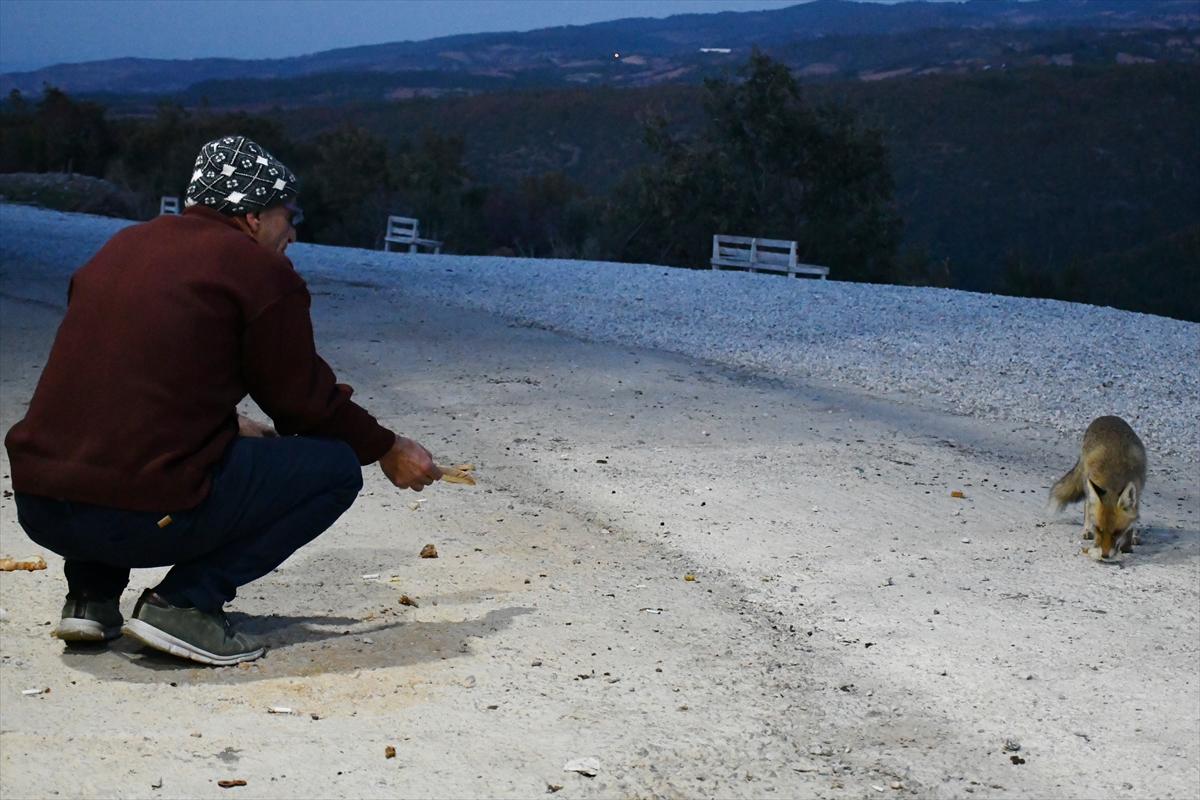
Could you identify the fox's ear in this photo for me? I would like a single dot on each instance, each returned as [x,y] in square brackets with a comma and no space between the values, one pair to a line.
[1129,498]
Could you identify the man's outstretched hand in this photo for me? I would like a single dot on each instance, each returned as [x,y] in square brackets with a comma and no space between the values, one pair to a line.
[409,466]
[250,428]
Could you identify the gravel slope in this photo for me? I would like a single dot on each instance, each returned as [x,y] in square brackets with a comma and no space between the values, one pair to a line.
[997,358]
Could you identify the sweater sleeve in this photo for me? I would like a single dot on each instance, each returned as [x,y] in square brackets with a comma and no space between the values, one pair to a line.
[297,389]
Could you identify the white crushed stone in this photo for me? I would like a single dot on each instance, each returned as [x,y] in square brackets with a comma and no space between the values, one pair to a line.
[1018,359]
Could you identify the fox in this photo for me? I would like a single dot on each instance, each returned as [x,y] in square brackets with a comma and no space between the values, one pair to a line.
[1109,477]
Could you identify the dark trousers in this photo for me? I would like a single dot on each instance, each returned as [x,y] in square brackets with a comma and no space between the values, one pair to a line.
[269,497]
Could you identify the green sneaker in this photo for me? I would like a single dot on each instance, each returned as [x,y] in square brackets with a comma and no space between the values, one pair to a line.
[85,619]
[204,636]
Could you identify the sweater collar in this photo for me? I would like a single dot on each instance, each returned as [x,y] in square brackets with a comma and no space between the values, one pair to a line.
[210,214]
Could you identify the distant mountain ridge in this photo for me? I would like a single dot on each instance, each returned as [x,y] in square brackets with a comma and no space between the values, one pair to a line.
[636,45]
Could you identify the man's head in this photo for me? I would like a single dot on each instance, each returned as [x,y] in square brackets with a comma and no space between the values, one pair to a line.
[275,227]
[236,177]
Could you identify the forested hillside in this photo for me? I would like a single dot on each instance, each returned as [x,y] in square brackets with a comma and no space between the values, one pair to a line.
[1077,182]
[828,57]
[1025,172]
[1039,169]
[642,51]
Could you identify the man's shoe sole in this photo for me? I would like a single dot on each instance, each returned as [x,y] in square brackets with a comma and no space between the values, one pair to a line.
[160,640]
[73,629]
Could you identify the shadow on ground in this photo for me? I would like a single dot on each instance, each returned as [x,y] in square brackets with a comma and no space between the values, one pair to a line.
[1167,544]
[298,646]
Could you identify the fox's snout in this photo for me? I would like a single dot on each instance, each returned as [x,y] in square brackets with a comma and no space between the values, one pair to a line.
[1103,545]
[1107,541]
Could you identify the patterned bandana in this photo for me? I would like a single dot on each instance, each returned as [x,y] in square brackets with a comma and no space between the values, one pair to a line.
[235,176]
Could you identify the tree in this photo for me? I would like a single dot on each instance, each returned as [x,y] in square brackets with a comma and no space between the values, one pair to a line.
[435,186]
[60,135]
[769,165]
[345,193]
[547,216]
[20,139]
[355,183]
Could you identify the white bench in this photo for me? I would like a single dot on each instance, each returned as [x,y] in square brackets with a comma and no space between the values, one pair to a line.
[760,255]
[168,205]
[405,230]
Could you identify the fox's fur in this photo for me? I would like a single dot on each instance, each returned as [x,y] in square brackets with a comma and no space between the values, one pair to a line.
[1109,477]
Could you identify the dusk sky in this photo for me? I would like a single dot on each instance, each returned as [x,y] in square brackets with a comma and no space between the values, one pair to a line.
[38,33]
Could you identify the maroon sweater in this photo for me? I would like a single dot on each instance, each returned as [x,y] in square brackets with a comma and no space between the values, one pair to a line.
[168,327]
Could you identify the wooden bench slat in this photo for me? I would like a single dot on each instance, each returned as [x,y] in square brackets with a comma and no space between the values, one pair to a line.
[761,245]
[775,258]
[774,251]
[807,269]
[784,243]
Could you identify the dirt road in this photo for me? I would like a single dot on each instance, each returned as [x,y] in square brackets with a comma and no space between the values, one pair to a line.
[852,630]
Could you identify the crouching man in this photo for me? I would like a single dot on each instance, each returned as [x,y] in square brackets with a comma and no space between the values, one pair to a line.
[130,454]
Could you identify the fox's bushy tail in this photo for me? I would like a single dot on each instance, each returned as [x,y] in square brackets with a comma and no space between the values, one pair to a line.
[1069,488]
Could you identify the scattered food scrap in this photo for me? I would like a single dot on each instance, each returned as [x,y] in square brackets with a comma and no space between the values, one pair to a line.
[279,710]
[389,752]
[229,783]
[1016,759]
[584,766]
[689,577]
[429,551]
[405,600]
[957,493]
[29,564]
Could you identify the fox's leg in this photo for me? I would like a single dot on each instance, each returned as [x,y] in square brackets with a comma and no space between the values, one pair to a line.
[1129,540]
[1087,519]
